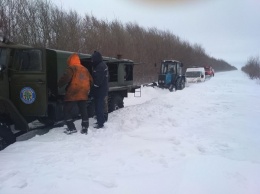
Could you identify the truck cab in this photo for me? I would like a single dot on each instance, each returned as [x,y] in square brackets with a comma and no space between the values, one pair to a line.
[209,71]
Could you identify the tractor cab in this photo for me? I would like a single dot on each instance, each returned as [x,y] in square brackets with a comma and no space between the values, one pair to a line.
[171,75]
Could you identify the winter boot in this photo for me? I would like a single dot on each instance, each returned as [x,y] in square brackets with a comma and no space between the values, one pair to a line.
[98,126]
[84,129]
[71,127]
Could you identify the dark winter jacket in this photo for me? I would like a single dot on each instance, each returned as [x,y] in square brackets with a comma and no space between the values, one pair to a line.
[77,78]
[100,76]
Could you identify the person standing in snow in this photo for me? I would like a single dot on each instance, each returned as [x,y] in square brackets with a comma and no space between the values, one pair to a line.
[100,87]
[78,82]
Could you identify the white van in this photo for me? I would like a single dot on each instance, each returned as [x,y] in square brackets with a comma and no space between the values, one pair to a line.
[195,74]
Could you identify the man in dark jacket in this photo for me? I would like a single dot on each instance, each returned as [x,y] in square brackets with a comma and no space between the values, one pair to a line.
[100,87]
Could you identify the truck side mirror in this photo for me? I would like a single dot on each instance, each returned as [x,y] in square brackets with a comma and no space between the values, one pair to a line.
[202,76]
[2,68]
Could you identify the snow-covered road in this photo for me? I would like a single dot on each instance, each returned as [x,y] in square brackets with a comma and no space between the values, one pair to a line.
[204,139]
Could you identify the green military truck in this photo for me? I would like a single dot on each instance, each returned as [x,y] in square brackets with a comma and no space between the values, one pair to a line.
[29,91]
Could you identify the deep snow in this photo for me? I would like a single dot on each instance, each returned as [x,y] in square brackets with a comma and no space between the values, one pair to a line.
[201,140]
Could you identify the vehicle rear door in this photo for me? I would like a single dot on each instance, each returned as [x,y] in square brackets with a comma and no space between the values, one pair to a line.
[28,87]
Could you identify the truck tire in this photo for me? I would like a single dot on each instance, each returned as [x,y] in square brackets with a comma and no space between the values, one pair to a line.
[180,84]
[6,136]
[115,102]
[46,121]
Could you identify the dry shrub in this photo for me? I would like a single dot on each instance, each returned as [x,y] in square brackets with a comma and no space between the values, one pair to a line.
[252,68]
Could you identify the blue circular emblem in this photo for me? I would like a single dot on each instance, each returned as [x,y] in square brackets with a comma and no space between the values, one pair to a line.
[27,95]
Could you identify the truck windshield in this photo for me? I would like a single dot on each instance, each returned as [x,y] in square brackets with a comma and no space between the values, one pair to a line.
[193,74]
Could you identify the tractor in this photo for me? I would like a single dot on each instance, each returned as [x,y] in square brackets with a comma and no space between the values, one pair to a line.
[171,76]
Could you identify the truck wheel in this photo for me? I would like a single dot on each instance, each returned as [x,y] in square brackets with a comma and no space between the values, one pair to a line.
[115,102]
[6,136]
[46,121]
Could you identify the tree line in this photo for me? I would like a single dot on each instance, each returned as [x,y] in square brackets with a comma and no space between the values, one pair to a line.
[40,23]
[252,68]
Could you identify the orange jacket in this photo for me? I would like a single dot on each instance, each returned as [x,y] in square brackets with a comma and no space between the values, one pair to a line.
[77,78]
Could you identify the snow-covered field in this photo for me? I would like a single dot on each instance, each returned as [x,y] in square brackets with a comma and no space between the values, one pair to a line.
[204,139]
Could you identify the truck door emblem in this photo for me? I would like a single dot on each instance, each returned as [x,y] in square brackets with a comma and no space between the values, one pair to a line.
[27,95]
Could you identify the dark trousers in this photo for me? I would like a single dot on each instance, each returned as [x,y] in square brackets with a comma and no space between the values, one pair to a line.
[99,109]
[106,108]
[69,113]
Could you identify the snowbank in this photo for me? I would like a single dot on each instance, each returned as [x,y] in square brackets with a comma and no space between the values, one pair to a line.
[201,140]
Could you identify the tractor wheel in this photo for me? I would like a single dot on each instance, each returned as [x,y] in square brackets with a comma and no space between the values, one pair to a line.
[6,136]
[115,102]
[180,84]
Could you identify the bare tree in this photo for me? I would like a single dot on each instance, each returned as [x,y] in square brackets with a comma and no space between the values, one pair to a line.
[42,24]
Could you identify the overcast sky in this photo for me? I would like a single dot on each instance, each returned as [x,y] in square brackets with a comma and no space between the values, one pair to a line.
[226,29]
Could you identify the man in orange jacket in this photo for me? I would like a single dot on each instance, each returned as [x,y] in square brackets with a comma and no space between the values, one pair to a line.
[78,82]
